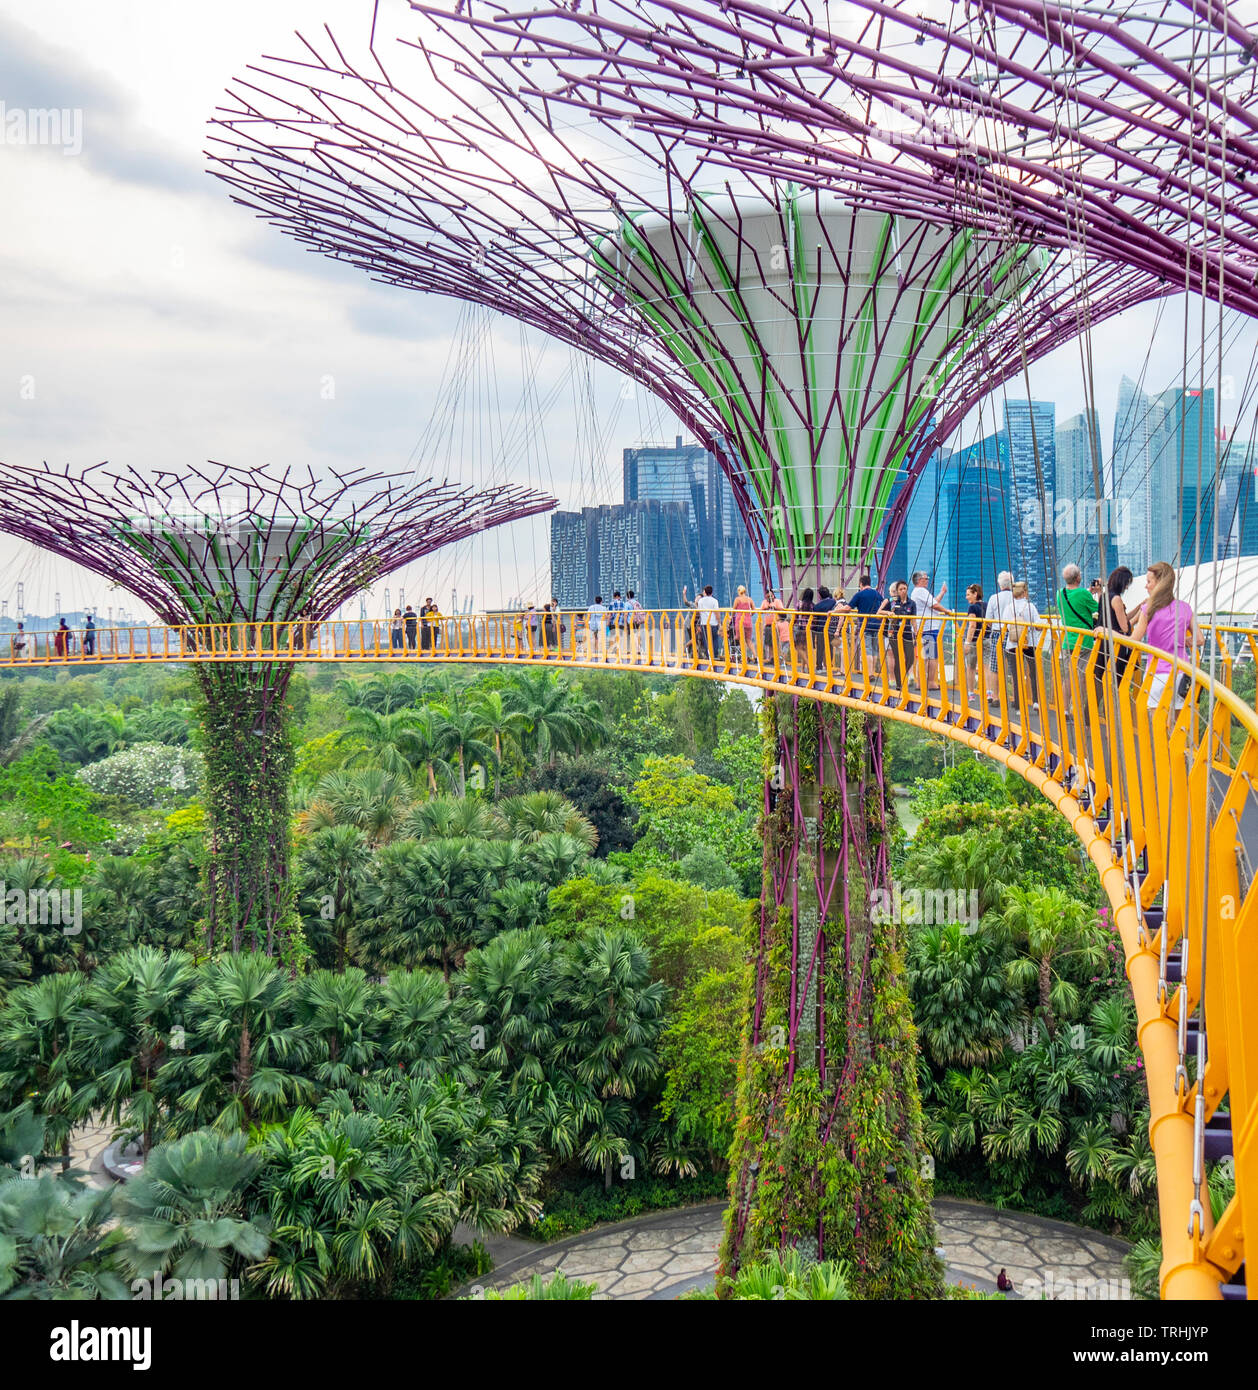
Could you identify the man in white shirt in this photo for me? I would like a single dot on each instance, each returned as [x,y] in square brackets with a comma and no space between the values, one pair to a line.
[927,605]
[596,615]
[706,610]
[999,610]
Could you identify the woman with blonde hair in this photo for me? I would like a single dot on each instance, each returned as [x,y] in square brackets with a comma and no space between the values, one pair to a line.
[1167,623]
[1020,643]
[744,618]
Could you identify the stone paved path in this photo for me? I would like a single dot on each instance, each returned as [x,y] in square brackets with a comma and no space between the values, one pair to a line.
[663,1255]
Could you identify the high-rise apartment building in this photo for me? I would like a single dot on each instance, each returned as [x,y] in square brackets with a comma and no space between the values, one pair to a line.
[1087,520]
[678,525]
[1030,428]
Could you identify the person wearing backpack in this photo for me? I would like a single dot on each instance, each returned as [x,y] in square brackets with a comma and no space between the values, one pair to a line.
[1079,612]
[635,622]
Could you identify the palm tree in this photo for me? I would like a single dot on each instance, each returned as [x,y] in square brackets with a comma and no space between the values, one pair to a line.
[132,1017]
[535,814]
[508,989]
[85,735]
[460,741]
[976,862]
[1050,926]
[41,1057]
[554,719]
[499,723]
[370,798]
[420,1034]
[332,872]
[556,857]
[612,1017]
[337,1014]
[383,737]
[961,1001]
[54,1242]
[183,1215]
[120,899]
[245,1054]
[450,818]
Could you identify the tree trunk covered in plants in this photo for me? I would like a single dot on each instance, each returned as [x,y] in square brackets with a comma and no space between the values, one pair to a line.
[828,1155]
[248,751]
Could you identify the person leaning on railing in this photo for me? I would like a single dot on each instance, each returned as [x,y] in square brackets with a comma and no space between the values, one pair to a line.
[1079,613]
[901,647]
[1021,640]
[999,610]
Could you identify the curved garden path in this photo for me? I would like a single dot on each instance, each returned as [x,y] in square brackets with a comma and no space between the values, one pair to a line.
[663,1255]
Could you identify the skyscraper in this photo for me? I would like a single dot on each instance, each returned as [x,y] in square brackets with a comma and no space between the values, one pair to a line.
[1130,468]
[632,545]
[1083,510]
[957,526]
[720,551]
[677,526]
[1029,426]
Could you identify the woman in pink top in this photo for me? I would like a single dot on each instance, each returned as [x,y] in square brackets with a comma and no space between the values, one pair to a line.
[744,618]
[1166,622]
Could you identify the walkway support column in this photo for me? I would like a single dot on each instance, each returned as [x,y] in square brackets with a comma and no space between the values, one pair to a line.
[828,1156]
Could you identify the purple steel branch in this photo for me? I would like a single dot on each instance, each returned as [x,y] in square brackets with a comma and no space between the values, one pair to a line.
[477,192]
[1131,134]
[354,528]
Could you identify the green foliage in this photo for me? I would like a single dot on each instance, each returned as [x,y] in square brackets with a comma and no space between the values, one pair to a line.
[42,806]
[537,1289]
[184,1213]
[53,1241]
[360,1190]
[575,1207]
[789,1277]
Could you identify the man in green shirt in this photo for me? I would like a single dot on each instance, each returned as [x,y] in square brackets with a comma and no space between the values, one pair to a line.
[1078,611]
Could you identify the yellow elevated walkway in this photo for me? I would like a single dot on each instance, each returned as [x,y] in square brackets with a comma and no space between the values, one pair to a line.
[1158,782]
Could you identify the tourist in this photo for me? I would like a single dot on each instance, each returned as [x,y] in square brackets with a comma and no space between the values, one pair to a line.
[615,621]
[999,611]
[744,622]
[901,648]
[89,636]
[927,605]
[19,642]
[61,638]
[770,607]
[1167,623]
[1020,644]
[803,628]
[395,630]
[866,601]
[1116,621]
[635,623]
[1004,1283]
[550,629]
[971,636]
[595,618]
[1078,610]
[706,617]
[822,626]
[410,621]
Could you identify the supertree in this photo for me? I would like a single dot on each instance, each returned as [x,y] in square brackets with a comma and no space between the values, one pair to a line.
[822,346]
[276,549]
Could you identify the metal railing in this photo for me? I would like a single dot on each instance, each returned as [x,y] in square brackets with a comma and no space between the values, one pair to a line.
[1153,760]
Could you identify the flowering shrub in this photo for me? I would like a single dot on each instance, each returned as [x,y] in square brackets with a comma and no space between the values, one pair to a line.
[147,774]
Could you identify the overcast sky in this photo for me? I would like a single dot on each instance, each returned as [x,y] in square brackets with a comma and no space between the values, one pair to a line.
[149,321]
